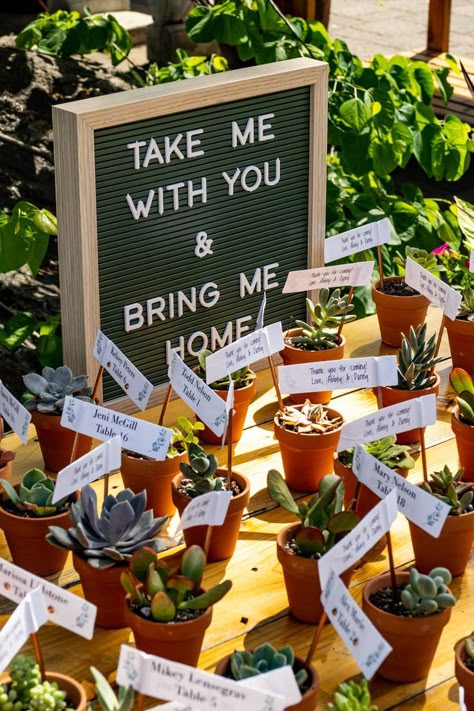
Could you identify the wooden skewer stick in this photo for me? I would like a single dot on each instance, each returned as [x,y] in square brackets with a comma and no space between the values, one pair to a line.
[229,452]
[423,455]
[392,567]
[165,404]
[140,702]
[93,397]
[349,299]
[207,541]
[440,336]
[275,382]
[380,262]
[74,447]
[315,640]
[38,654]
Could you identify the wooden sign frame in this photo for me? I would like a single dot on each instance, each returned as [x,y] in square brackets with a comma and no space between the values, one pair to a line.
[74,125]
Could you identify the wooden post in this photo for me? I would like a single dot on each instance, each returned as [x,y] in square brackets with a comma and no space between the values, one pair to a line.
[439,19]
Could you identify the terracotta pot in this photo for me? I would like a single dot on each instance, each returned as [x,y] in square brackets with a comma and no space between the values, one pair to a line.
[26,539]
[102,587]
[177,641]
[309,700]
[154,477]
[295,356]
[464,675]
[242,399]
[6,471]
[367,499]
[392,396]
[56,442]
[450,550]
[413,639]
[74,691]
[464,434]
[397,313]
[301,577]
[223,538]
[461,342]
[306,457]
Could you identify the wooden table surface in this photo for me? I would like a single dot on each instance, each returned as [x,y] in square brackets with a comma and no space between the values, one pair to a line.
[256,608]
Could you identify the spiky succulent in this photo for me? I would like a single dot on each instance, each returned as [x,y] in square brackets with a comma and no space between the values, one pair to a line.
[352,696]
[463,384]
[46,392]
[427,594]
[122,527]
[450,488]
[325,317]
[265,658]
[34,494]
[385,450]
[200,474]
[308,419]
[416,360]
[107,698]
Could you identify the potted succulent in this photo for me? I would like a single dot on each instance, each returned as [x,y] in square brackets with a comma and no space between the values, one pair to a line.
[399,306]
[6,457]
[245,387]
[107,698]
[26,512]
[102,544]
[464,668]
[265,658]
[410,618]
[24,689]
[308,435]
[318,340]
[202,476]
[45,400]
[155,476]
[416,376]
[462,419]
[322,522]
[352,696]
[167,610]
[454,544]
[395,456]
[461,331]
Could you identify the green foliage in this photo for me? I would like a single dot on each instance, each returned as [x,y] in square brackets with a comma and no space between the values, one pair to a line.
[385,450]
[63,34]
[265,658]
[183,436]
[451,489]
[106,697]
[327,315]
[200,473]
[427,594]
[425,259]
[241,377]
[24,236]
[35,493]
[416,360]
[186,67]
[469,647]
[463,384]
[28,692]
[352,696]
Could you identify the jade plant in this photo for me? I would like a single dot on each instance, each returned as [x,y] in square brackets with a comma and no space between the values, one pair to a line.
[110,538]
[352,696]
[416,360]
[200,474]
[33,495]
[463,385]
[159,594]
[427,594]
[323,521]
[394,456]
[326,316]
[47,392]
[108,700]
[28,692]
[241,377]
[265,658]
[308,419]
[452,490]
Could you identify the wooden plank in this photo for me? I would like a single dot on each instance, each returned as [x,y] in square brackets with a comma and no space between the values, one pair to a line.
[439,20]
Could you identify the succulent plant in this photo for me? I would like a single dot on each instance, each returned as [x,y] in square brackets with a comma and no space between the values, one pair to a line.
[28,692]
[323,522]
[469,648]
[385,450]
[265,658]
[46,392]
[122,528]
[450,488]
[427,594]
[466,307]
[183,436]
[416,360]
[425,259]
[352,696]
[463,385]
[241,377]
[325,317]
[159,594]
[308,419]
[108,700]
[200,473]
[34,494]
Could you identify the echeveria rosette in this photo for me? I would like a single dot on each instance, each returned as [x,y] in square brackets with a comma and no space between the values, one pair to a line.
[47,392]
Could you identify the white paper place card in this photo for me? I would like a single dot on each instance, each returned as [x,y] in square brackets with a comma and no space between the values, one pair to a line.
[337,374]
[356,240]
[260,322]
[101,423]
[64,608]
[355,544]
[420,507]
[419,412]
[362,639]
[91,466]
[248,349]
[14,413]
[439,293]
[471,261]
[28,617]
[462,705]
[356,274]
[205,510]
[122,370]
[202,399]
[171,681]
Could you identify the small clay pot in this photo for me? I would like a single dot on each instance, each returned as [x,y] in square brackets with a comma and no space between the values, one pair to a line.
[103,588]
[397,313]
[450,550]
[223,538]
[294,356]
[464,675]
[74,691]
[242,399]
[392,396]
[56,442]
[464,434]
[154,477]
[413,639]
[461,342]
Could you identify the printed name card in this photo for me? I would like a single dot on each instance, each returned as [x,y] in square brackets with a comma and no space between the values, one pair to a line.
[137,387]
[419,412]
[423,509]
[91,466]
[356,240]
[248,349]
[203,691]
[471,261]
[462,705]
[137,435]
[200,397]
[337,374]
[206,510]
[14,413]
[362,639]
[28,617]
[64,608]
[439,293]
[357,274]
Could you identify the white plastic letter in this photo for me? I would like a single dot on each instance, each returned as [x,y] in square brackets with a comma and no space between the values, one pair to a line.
[140,210]
[133,317]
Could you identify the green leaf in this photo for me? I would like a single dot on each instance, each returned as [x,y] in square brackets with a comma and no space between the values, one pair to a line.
[356,114]
[384,157]
[424,78]
[445,88]
[17,329]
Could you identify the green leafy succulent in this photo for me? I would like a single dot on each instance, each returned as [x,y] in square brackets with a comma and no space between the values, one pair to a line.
[200,474]
[34,494]
[352,696]
[427,594]
[416,360]
[385,450]
[451,489]
[463,384]
[241,377]
[326,316]
[265,658]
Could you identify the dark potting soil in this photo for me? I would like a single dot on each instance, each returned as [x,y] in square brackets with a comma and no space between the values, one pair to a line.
[468,662]
[181,615]
[183,488]
[10,508]
[308,346]
[398,287]
[384,601]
